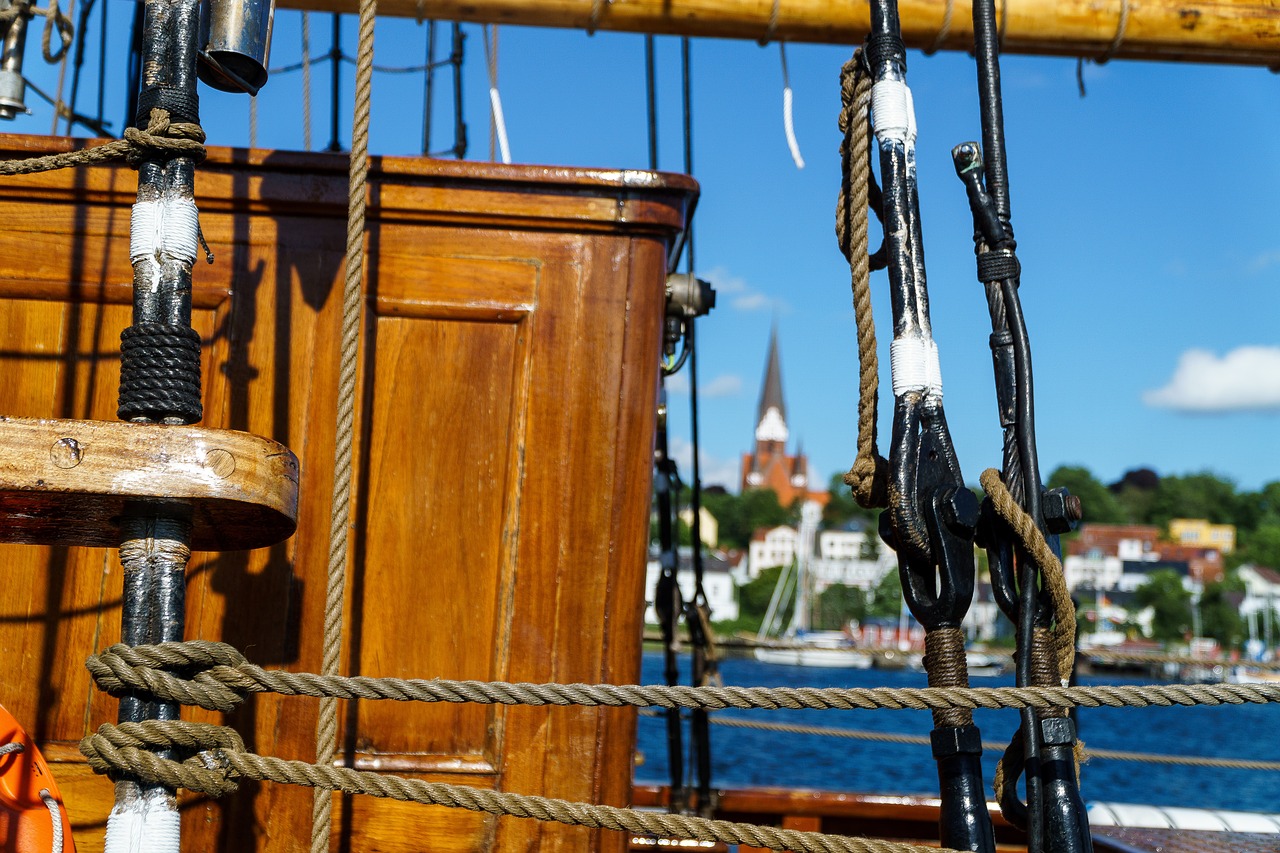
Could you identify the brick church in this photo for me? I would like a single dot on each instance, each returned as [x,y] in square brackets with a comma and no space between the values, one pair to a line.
[769,466]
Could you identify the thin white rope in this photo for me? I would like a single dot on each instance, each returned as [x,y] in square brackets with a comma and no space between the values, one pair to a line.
[788,120]
[55,812]
[495,99]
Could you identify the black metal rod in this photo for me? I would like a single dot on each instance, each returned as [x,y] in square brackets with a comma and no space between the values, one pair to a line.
[651,99]
[667,603]
[335,67]
[459,125]
[429,87]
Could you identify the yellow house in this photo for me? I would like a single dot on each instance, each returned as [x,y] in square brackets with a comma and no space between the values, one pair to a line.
[1199,533]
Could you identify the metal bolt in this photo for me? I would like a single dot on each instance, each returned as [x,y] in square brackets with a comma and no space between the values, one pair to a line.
[960,511]
[1062,510]
[220,463]
[66,453]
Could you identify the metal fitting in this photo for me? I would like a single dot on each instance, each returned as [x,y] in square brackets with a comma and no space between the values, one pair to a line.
[13,89]
[953,740]
[689,296]
[1062,510]
[1058,731]
[235,44]
[960,511]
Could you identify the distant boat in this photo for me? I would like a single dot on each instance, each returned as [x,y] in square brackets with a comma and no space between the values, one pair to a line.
[831,649]
[798,646]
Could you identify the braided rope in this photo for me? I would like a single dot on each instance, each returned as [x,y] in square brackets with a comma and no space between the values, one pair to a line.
[327,722]
[221,761]
[869,475]
[226,676]
[162,136]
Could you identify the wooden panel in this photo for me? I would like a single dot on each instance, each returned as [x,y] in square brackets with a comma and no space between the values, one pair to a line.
[504,449]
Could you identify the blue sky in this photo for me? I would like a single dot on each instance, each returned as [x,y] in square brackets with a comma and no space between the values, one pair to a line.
[1146,216]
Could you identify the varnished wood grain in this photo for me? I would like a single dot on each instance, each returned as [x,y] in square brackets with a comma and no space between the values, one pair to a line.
[1228,31]
[71,482]
[503,447]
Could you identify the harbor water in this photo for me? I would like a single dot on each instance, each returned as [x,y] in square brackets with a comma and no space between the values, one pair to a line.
[746,757]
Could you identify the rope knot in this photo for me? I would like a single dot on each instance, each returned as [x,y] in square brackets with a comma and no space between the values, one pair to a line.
[125,750]
[869,479]
[193,673]
[164,136]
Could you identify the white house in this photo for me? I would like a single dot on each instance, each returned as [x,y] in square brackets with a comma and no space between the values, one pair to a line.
[717,583]
[770,548]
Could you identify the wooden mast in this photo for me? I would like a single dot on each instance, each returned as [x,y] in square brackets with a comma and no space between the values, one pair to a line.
[1244,32]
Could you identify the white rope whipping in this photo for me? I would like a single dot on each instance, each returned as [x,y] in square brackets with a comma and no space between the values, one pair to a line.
[143,824]
[495,100]
[915,366]
[893,113]
[167,229]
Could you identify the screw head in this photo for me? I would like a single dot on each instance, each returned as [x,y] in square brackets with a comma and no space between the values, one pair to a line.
[960,510]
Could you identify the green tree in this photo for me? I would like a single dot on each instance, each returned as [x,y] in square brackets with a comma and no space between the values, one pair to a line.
[1100,506]
[887,598]
[842,508]
[837,605]
[1164,594]
[1202,495]
[1260,546]
[739,516]
[1219,617]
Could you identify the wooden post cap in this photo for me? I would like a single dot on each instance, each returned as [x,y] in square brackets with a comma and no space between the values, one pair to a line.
[65,482]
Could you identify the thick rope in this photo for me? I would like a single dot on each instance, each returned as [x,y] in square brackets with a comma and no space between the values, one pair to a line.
[340,521]
[226,677]
[947,666]
[1090,754]
[161,137]
[869,475]
[221,761]
[1034,544]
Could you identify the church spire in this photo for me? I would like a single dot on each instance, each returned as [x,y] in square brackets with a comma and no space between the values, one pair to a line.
[771,420]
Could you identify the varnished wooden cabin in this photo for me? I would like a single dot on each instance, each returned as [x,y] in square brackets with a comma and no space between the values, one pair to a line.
[506,412]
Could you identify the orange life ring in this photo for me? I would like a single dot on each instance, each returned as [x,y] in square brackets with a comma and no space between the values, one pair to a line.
[26,821]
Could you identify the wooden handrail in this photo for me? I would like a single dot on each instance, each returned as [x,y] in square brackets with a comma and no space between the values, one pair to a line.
[1242,32]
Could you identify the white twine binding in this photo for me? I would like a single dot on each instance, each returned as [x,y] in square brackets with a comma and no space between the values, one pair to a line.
[500,123]
[893,113]
[144,824]
[915,367]
[55,812]
[164,230]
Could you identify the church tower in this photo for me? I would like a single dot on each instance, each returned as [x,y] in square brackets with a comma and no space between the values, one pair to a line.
[769,466]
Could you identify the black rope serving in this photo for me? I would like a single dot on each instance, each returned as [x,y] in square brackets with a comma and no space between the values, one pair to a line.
[160,373]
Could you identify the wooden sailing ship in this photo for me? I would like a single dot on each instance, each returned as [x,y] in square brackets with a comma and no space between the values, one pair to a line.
[512,330]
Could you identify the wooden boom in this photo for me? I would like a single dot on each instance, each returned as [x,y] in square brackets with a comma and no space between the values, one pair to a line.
[1244,32]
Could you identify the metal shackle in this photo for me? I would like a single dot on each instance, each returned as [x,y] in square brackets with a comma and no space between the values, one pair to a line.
[235,44]
[13,88]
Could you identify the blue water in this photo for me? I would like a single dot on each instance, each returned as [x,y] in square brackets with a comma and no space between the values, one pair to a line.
[742,757]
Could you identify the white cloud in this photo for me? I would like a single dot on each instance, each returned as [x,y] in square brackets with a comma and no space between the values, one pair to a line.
[1245,379]
[724,385]
[1264,261]
[714,471]
[736,292]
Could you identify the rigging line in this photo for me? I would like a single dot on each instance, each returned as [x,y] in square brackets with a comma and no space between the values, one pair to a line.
[788,120]
[306,80]
[459,124]
[51,21]
[335,53]
[253,121]
[78,63]
[651,98]
[428,86]
[497,123]
[63,111]
[102,64]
